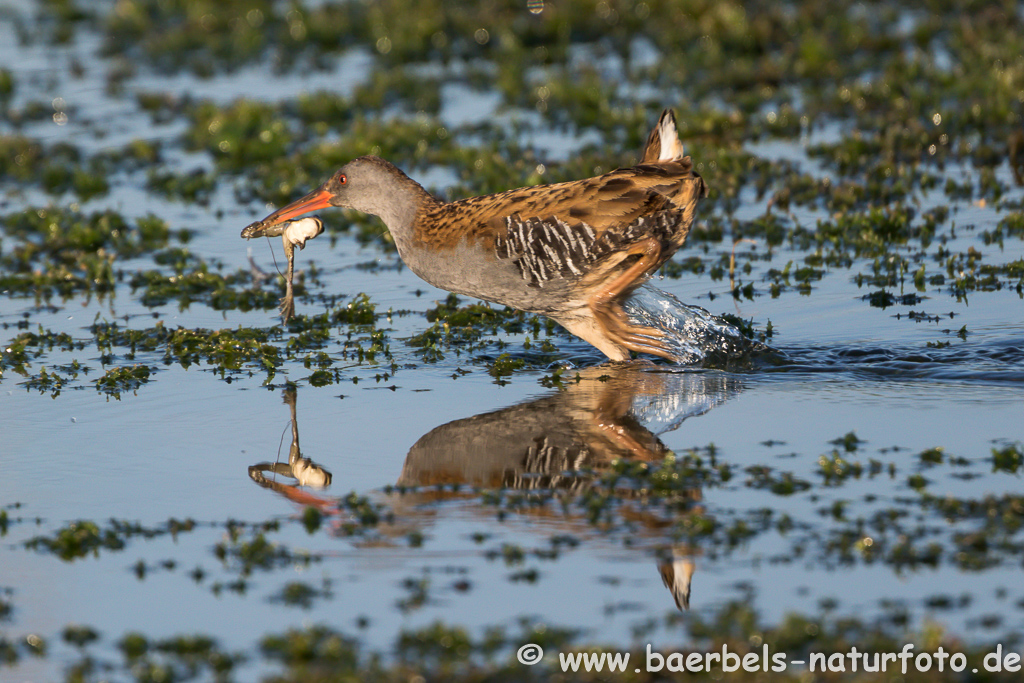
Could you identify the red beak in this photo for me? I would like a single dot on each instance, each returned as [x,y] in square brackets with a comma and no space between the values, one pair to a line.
[314,201]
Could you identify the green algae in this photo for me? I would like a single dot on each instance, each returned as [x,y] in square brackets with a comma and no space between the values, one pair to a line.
[194,187]
[65,252]
[15,354]
[116,381]
[55,380]
[780,483]
[1009,458]
[258,553]
[247,132]
[79,636]
[188,34]
[78,540]
[227,350]
[197,284]
[8,85]
[6,605]
[84,537]
[469,328]
[62,168]
[243,351]
[184,657]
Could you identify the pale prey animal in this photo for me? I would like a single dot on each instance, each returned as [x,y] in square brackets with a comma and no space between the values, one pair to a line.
[293,234]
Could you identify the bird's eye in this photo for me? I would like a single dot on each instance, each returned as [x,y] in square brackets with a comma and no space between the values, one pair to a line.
[342,179]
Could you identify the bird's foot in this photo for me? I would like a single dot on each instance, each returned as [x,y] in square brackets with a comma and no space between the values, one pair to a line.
[287,308]
[645,340]
[637,338]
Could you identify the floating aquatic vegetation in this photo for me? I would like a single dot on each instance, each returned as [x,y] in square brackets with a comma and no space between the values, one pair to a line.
[84,537]
[193,187]
[195,283]
[301,594]
[116,381]
[56,379]
[62,167]
[466,328]
[257,552]
[17,353]
[246,133]
[61,251]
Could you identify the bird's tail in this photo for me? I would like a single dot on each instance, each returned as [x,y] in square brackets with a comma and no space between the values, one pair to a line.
[663,143]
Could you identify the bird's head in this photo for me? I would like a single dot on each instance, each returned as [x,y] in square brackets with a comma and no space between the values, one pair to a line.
[363,184]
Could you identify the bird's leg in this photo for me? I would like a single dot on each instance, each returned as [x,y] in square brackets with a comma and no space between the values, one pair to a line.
[607,307]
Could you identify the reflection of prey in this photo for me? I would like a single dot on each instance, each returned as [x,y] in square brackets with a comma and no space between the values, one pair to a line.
[543,444]
[304,471]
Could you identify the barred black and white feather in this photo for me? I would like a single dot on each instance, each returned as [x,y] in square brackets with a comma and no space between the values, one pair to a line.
[545,249]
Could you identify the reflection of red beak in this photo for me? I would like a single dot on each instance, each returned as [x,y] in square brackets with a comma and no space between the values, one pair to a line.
[314,201]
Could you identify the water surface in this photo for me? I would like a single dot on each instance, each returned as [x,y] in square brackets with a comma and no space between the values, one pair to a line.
[487,469]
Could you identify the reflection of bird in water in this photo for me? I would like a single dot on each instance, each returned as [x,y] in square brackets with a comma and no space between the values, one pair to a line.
[572,251]
[587,424]
[676,575]
[561,441]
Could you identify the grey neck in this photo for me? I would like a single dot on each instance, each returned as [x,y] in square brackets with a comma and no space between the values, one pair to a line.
[392,195]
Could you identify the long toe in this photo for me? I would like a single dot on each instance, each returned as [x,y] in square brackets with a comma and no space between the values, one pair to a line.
[638,338]
[287,308]
[641,343]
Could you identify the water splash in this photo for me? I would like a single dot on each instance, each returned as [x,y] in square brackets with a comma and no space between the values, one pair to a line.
[693,335]
[683,395]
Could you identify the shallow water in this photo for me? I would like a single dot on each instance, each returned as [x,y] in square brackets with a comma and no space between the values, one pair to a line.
[804,482]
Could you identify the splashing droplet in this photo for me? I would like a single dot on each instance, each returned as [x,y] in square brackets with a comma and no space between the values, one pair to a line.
[691,333]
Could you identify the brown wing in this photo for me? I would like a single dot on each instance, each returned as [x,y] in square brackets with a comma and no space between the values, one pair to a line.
[551,247]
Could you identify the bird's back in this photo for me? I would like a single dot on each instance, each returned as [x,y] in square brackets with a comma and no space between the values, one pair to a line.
[604,202]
